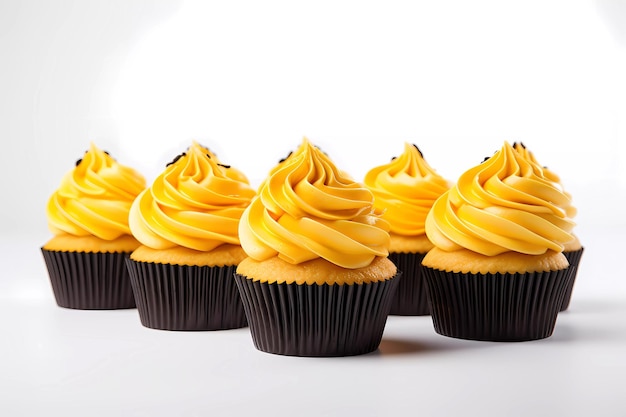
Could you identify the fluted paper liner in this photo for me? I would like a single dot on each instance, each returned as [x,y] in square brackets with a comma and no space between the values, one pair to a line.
[411,298]
[89,280]
[573,257]
[183,297]
[316,320]
[495,307]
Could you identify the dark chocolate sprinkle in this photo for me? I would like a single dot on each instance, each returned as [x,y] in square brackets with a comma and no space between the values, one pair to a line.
[487,157]
[224,166]
[418,150]
[285,158]
[207,148]
[393,158]
[81,159]
[208,155]
[176,159]
[109,155]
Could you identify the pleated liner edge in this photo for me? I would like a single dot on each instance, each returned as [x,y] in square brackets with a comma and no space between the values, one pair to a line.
[411,298]
[89,280]
[573,258]
[496,307]
[186,298]
[316,320]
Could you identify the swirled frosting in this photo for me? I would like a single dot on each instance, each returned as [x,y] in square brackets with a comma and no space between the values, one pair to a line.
[231,172]
[405,190]
[570,210]
[309,209]
[505,204]
[94,198]
[194,204]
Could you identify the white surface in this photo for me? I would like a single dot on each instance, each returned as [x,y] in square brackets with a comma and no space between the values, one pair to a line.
[60,362]
[249,79]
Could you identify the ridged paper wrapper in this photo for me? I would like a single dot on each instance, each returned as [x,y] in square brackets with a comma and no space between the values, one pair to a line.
[89,280]
[496,307]
[187,298]
[573,257]
[411,297]
[316,320]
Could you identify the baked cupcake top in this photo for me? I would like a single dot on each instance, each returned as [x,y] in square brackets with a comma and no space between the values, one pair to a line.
[195,204]
[404,191]
[94,198]
[503,205]
[309,209]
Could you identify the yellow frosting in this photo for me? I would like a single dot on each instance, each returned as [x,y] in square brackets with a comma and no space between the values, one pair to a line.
[570,210]
[504,204]
[194,203]
[282,162]
[573,245]
[309,209]
[231,172]
[94,198]
[405,190]
[294,154]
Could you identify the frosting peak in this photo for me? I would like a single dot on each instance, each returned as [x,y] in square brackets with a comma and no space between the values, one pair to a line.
[195,203]
[231,172]
[504,204]
[405,190]
[94,198]
[570,210]
[307,209]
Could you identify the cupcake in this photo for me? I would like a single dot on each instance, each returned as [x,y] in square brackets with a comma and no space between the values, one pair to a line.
[573,249]
[88,216]
[317,280]
[187,221]
[497,271]
[404,191]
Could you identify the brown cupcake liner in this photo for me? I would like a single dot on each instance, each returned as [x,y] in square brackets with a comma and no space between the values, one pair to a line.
[188,298]
[316,320]
[496,307]
[89,280]
[573,257]
[411,297]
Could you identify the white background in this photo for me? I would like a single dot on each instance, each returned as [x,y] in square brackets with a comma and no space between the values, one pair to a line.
[141,79]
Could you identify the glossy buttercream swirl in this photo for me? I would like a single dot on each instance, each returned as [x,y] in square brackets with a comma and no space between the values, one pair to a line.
[551,175]
[193,204]
[231,172]
[283,161]
[291,155]
[505,204]
[308,209]
[94,198]
[405,190]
